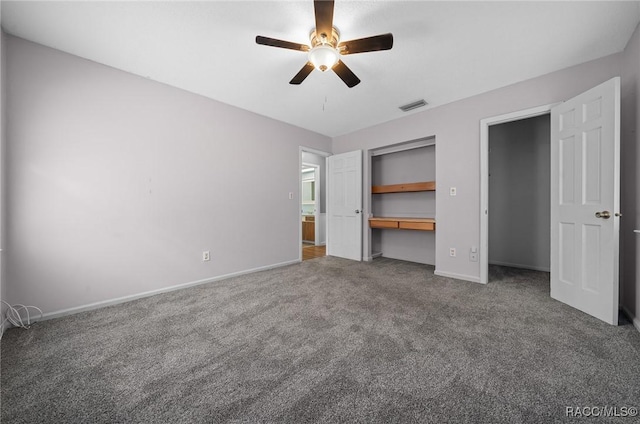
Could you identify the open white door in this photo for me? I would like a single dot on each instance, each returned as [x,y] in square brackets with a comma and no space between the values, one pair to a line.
[344,206]
[585,201]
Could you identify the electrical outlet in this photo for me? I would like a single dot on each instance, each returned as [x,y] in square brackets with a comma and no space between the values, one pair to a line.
[206,256]
[453,191]
[473,254]
[452,252]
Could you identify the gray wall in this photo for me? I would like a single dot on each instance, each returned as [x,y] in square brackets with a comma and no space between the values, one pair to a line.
[630,199]
[118,183]
[456,127]
[404,167]
[519,193]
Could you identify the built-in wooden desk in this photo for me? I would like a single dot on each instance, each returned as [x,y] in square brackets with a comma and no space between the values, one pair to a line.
[421,224]
[404,188]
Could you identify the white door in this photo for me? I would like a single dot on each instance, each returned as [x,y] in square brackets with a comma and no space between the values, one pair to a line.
[585,201]
[344,208]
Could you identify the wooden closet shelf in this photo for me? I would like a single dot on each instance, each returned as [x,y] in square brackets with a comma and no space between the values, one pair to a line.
[421,224]
[406,187]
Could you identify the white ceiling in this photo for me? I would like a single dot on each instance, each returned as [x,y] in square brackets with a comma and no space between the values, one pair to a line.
[443,51]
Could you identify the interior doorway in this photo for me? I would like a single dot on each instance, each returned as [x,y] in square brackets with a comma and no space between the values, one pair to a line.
[310,202]
[584,198]
[519,194]
[485,125]
[313,195]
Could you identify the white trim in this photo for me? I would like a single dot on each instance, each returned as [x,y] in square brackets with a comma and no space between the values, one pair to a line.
[484,176]
[405,145]
[471,278]
[314,151]
[118,300]
[633,318]
[375,255]
[521,266]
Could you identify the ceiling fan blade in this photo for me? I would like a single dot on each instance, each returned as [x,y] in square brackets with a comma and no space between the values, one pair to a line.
[266,41]
[368,44]
[324,17]
[346,74]
[304,73]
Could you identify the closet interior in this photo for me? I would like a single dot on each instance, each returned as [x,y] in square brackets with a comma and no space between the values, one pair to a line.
[403,203]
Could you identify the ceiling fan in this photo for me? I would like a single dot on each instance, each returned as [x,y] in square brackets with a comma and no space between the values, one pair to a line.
[326,47]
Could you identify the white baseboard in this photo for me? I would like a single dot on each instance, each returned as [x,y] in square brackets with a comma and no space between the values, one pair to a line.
[471,278]
[372,256]
[376,255]
[534,268]
[633,318]
[102,304]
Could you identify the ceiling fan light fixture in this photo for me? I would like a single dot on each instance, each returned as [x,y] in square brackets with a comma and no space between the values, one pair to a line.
[324,56]
[325,48]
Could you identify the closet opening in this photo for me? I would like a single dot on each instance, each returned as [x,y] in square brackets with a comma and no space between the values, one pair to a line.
[519,190]
[402,202]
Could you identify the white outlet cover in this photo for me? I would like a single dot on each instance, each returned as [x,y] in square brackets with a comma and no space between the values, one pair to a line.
[452,191]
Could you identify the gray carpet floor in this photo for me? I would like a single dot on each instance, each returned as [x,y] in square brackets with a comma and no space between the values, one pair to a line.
[326,340]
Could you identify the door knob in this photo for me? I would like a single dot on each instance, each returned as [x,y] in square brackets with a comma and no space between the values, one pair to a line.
[603,214]
[357,211]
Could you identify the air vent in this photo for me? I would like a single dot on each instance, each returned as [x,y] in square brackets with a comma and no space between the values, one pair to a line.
[414,105]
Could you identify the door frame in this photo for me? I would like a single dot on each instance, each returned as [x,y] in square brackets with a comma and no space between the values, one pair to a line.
[302,149]
[484,176]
